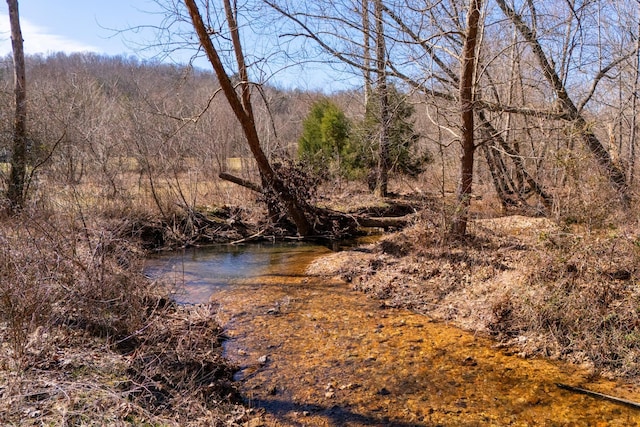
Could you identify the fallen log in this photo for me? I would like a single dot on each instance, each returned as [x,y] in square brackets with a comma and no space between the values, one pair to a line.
[603,396]
[240,181]
[324,215]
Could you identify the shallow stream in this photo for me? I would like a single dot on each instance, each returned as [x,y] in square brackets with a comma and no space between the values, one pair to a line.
[313,352]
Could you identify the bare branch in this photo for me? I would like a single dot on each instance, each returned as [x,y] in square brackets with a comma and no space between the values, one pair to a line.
[601,74]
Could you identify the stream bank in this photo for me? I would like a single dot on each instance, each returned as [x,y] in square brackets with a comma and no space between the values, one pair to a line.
[313,352]
[531,284]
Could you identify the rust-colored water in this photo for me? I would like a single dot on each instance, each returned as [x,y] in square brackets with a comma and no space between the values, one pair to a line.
[314,353]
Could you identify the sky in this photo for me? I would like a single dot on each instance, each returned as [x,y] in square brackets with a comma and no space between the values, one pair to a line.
[76,26]
[50,26]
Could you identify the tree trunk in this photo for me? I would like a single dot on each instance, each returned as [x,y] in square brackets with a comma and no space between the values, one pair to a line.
[366,54]
[243,111]
[459,224]
[615,175]
[634,105]
[383,100]
[15,192]
[515,60]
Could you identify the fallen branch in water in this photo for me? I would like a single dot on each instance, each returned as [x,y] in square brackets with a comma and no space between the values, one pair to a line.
[360,220]
[619,400]
[249,238]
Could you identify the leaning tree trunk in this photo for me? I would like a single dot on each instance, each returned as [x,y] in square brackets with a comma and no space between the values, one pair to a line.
[616,176]
[243,111]
[459,224]
[15,192]
[502,182]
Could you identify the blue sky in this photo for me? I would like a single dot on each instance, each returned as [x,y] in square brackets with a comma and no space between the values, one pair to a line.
[92,25]
[72,26]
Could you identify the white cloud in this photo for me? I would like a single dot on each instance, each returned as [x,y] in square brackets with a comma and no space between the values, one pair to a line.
[39,39]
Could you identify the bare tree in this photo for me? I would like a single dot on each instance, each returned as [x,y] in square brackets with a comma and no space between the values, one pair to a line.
[243,110]
[15,192]
[366,51]
[467,80]
[634,105]
[382,175]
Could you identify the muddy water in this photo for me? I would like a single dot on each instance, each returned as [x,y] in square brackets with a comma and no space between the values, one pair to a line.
[314,353]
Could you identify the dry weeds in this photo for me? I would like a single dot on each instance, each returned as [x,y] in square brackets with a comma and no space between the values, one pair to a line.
[545,288]
[88,340]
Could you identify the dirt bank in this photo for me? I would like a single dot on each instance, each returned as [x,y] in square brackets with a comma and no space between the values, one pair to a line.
[561,292]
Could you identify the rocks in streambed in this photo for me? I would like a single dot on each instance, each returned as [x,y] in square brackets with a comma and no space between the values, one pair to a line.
[330,391]
[384,392]
[469,361]
[350,386]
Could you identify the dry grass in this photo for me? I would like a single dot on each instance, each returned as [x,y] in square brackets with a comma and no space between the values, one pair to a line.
[162,213]
[582,296]
[88,340]
[551,288]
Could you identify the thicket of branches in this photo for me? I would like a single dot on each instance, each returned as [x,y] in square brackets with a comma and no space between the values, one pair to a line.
[554,97]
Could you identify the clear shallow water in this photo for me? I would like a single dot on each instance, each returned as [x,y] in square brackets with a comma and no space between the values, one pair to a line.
[312,352]
[199,272]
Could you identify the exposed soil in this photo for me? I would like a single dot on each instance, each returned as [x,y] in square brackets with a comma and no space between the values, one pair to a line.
[530,284]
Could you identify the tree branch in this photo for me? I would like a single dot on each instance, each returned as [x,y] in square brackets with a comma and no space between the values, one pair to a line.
[599,77]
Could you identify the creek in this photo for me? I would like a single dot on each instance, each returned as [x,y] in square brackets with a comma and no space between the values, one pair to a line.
[313,352]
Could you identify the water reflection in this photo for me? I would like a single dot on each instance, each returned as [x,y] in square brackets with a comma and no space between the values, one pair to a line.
[199,272]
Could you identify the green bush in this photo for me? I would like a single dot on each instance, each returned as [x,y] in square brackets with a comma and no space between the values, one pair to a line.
[325,133]
[361,153]
[331,145]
